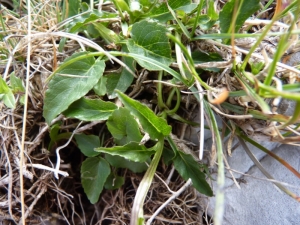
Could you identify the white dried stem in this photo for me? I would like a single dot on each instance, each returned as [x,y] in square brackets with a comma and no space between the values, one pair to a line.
[56,171]
[171,198]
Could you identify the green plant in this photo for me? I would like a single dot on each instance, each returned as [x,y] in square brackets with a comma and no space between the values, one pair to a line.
[83,72]
[137,38]
[144,42]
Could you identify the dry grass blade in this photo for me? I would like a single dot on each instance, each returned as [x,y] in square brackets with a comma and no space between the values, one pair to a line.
[228,81]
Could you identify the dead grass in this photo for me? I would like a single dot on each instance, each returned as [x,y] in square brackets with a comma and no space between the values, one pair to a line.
[51,201]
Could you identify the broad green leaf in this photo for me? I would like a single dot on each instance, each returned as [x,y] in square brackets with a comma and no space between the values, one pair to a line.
[120,162]
[114,182]
[4,89]
[113,80]
[72,7]
[247,8]
[94,172]
[6,95]
[174,4]
[161,66]
[200,57]
[123,127]
[152,124]
[90,109]
[188,167]
[168,156]
[149,39]
[100,87]
[121,81]
[73,79]
[9,100]
[131,151]
[87,144]
[16,84]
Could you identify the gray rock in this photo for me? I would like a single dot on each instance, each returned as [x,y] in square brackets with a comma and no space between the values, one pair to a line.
[260,202]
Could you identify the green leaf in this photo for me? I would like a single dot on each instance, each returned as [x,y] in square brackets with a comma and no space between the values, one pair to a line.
[200,57]
[90,109]
[152,124]
[120,162]
[9,100]
[181,25]
[246,10]
[162,13]
[161,66]
[54,134]
[100,87]
[94,172]
[174,4]
[131,151]
[123,127]
[256,67]
[73,7]
[121,81]
[168,156]
[114,182]
[211,12]
[82,21]
[4,89]
[87,144]
[149,39]
[188,167]
[6,95]
[16,84]
[107,34]
[54,130]
[73,79]
[122,5]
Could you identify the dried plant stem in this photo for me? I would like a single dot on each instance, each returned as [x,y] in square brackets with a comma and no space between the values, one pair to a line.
[258,56]
[22,221]
[171,198]
[10,182]
[56,171]
[201,115]
[43,167]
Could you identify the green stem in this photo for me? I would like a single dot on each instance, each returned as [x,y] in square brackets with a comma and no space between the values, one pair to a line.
[200,5]
[174,110]
[170,97]
[220,196]
[282,46]
[160,101]
[137,208]
[190,61]
[257,43]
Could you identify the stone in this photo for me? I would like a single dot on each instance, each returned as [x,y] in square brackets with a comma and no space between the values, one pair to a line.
[260,201]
